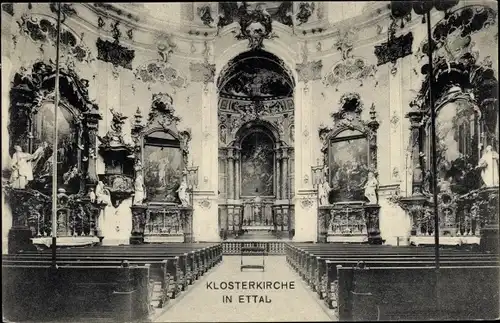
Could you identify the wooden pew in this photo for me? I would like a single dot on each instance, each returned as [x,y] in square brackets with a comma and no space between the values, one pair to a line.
[317,263]
[171,272]
[418,293]
[41,293]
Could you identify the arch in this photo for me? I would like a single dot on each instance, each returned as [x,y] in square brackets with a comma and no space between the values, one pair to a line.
[253,126]
[275,47]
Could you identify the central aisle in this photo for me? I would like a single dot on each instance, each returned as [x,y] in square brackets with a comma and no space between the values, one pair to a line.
[202,304]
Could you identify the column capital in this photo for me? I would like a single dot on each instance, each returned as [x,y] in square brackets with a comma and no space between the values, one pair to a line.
[230,153]
[284,153]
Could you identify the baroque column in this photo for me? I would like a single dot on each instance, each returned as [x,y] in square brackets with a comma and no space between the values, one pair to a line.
[284,174]
[205,218]
[230,173]
[415,115]
[237,184]
[305,198]
[278,173]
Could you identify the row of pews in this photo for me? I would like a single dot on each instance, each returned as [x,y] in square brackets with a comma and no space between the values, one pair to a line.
[101,283]
[369,282]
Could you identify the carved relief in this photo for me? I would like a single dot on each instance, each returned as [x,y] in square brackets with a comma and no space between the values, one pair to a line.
[452,35]
[305,11]
[205,204]
[205,14]
[255,25]
[349,67]
[161,70]
[309,71]
[42,29]
[114,53]
[229,12]
[394,49]
[202,72]
[306,203]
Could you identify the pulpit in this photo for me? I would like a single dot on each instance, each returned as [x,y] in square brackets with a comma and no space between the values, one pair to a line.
[346,182]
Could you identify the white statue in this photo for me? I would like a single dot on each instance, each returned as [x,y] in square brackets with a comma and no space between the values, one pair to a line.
[324,191]
[140,189]
[489,165]
[22,168]
[102,194]
[92,195]
[371,187]
[183,194]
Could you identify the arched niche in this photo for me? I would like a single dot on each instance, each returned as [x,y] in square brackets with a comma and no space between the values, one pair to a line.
[349,150]
[31,126]
[163,150]
[257,144]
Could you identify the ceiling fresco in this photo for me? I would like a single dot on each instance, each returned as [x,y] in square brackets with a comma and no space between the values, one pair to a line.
[256,74]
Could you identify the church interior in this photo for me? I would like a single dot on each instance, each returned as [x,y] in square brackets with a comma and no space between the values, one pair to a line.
[146,145]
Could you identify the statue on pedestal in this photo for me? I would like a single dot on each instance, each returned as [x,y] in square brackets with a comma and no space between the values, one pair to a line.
[371,187]
[139,187]
[489,167]
[183,194]
[21,166]
[323,192]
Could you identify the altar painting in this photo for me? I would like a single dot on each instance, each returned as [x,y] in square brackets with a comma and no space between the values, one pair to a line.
[457,152]
[162,173]
[67,147]
[348,169]
[257,165]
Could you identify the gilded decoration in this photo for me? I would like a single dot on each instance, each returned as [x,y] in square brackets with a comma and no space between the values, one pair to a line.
[229,12]
[452,35]
[247,93]
[466,105]
[165,150]
[42,29]
[349,67]
[350,149]
[161,70]
[28,184]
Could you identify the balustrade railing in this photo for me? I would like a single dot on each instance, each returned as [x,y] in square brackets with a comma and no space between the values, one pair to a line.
[459,216]
[234,219]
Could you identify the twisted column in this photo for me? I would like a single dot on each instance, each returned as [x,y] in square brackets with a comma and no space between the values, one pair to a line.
[237,154]
[284,174]
[230,173]
[278,174]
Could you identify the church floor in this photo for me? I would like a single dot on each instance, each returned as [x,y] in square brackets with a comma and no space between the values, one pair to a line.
[203,304]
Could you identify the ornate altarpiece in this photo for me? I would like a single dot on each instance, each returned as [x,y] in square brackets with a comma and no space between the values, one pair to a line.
[31,126]
[162,151]
[465,95]
[349,154]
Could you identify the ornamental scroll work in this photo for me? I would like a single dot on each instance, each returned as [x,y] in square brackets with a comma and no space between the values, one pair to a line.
[234,113]
[43,29]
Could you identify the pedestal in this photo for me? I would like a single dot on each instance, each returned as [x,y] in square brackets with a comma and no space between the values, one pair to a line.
[205,219]
[372,212]
[138,224]
[490,239]
[20,239]
[306,218]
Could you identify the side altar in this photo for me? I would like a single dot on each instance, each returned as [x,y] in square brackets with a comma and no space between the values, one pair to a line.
[162,206]
[27,180]
[347,181]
